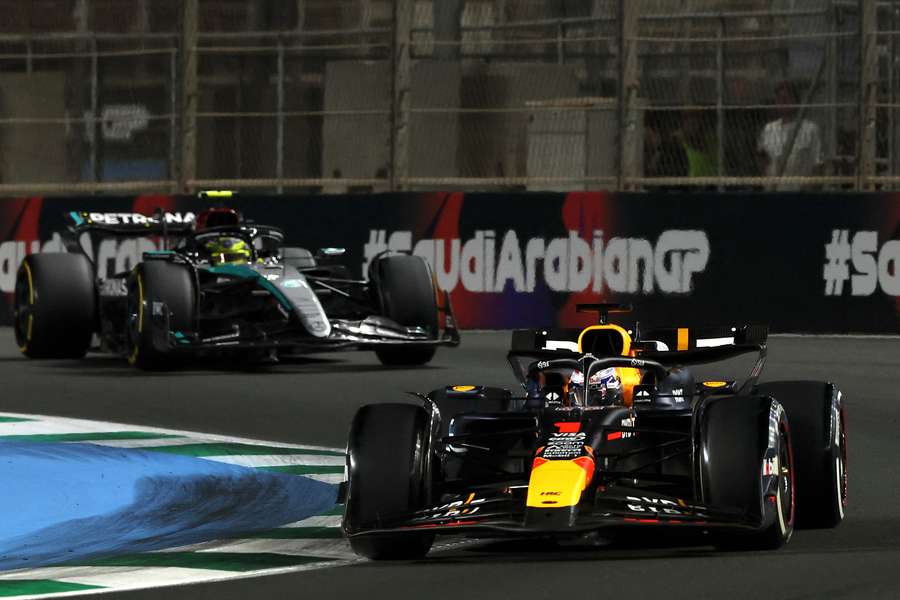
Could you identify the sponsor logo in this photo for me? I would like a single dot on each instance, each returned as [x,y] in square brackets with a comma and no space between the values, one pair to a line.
[491,262]
[873,267]
[564,445]
[118,122]
[98,218]
[452,509]
[659,506]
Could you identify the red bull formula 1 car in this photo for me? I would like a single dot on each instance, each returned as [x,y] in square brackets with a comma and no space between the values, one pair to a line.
[613,431]
[221,285]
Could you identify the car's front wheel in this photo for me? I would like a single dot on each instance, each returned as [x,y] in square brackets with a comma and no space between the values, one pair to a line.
[388,470]
[405,292]
[152,285]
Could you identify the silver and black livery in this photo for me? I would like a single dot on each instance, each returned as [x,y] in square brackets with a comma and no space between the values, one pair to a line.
[257,299]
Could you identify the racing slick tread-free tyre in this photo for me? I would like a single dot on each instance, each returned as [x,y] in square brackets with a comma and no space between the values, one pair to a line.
[152,282]
[405,290]
[388,454]
[736,433]
[816,413]
[55,308]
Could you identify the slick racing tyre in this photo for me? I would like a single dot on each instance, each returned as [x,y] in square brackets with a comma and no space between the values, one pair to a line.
[405,293]
[388,460]
[156,282]
[747,466]
[55,305]
[816,412]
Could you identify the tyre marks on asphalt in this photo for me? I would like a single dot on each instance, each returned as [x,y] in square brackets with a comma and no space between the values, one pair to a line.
[310,543]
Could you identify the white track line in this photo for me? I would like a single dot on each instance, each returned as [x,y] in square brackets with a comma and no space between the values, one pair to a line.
[278,460]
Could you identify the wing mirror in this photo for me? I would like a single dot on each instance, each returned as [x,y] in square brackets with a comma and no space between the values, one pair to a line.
[330,253]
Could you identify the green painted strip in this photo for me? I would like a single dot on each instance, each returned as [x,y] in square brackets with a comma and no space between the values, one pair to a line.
[235,449]
[337,509]
[98,436]
[305,469]
[14,420]
[27,587]
[298,533]
[216,561]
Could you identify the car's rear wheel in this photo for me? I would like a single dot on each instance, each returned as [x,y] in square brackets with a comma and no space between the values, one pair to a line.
[388,479]
[153,284]
[818,420]
[405,293]
[747,466]
[55,305]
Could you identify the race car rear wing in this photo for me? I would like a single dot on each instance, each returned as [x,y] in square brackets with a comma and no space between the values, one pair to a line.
[674,346]
[670,340]
[130,224]
[99,225]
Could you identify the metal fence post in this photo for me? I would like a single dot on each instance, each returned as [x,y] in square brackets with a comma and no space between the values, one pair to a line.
[174,168]
[868,92]
[279,119]
[832,149]
[401,65]
[720,100]
[96,130]
[627,93]
[189,90]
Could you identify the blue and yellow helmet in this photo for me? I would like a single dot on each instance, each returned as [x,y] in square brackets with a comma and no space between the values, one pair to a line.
[227,250]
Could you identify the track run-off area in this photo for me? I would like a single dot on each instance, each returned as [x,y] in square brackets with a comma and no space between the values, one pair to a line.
[275,437]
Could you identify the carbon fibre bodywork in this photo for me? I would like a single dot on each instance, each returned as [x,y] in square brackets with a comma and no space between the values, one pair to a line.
[712,455]
[262,307]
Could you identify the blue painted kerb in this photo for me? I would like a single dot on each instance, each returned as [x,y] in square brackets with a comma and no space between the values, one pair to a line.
[64,502]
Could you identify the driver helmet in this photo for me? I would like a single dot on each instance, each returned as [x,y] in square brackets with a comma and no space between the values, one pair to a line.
[227,250]
[604,387]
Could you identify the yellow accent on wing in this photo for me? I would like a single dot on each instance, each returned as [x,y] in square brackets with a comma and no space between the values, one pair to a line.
[683,343]
[132,358]
[556,484]
[715,384]
[24,347]
[463,388]
[626,338]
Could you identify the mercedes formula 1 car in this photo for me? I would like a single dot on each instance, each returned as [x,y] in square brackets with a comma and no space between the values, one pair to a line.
[221,285]
[613,432]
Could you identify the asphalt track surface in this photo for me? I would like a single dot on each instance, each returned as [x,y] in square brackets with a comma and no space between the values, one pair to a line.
[312,401]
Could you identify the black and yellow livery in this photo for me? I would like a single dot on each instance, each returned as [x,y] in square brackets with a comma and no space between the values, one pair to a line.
[728,458]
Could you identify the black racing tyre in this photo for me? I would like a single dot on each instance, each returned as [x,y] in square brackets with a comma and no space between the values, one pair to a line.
[404,288]
[747,464]
[388,460]
[55,305]
[819,426]
[155,282]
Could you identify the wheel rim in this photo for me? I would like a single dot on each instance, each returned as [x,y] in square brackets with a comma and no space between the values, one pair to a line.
[135,324]
[840,463]
[786,490]
[23,307]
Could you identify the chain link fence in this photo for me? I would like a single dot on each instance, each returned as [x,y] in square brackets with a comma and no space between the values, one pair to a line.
[372,95]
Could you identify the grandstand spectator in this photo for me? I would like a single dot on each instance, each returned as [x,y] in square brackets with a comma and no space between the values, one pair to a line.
[700,145]
[782,137]
[664,154]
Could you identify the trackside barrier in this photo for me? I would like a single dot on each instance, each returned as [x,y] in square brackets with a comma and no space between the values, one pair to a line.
[801,262]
